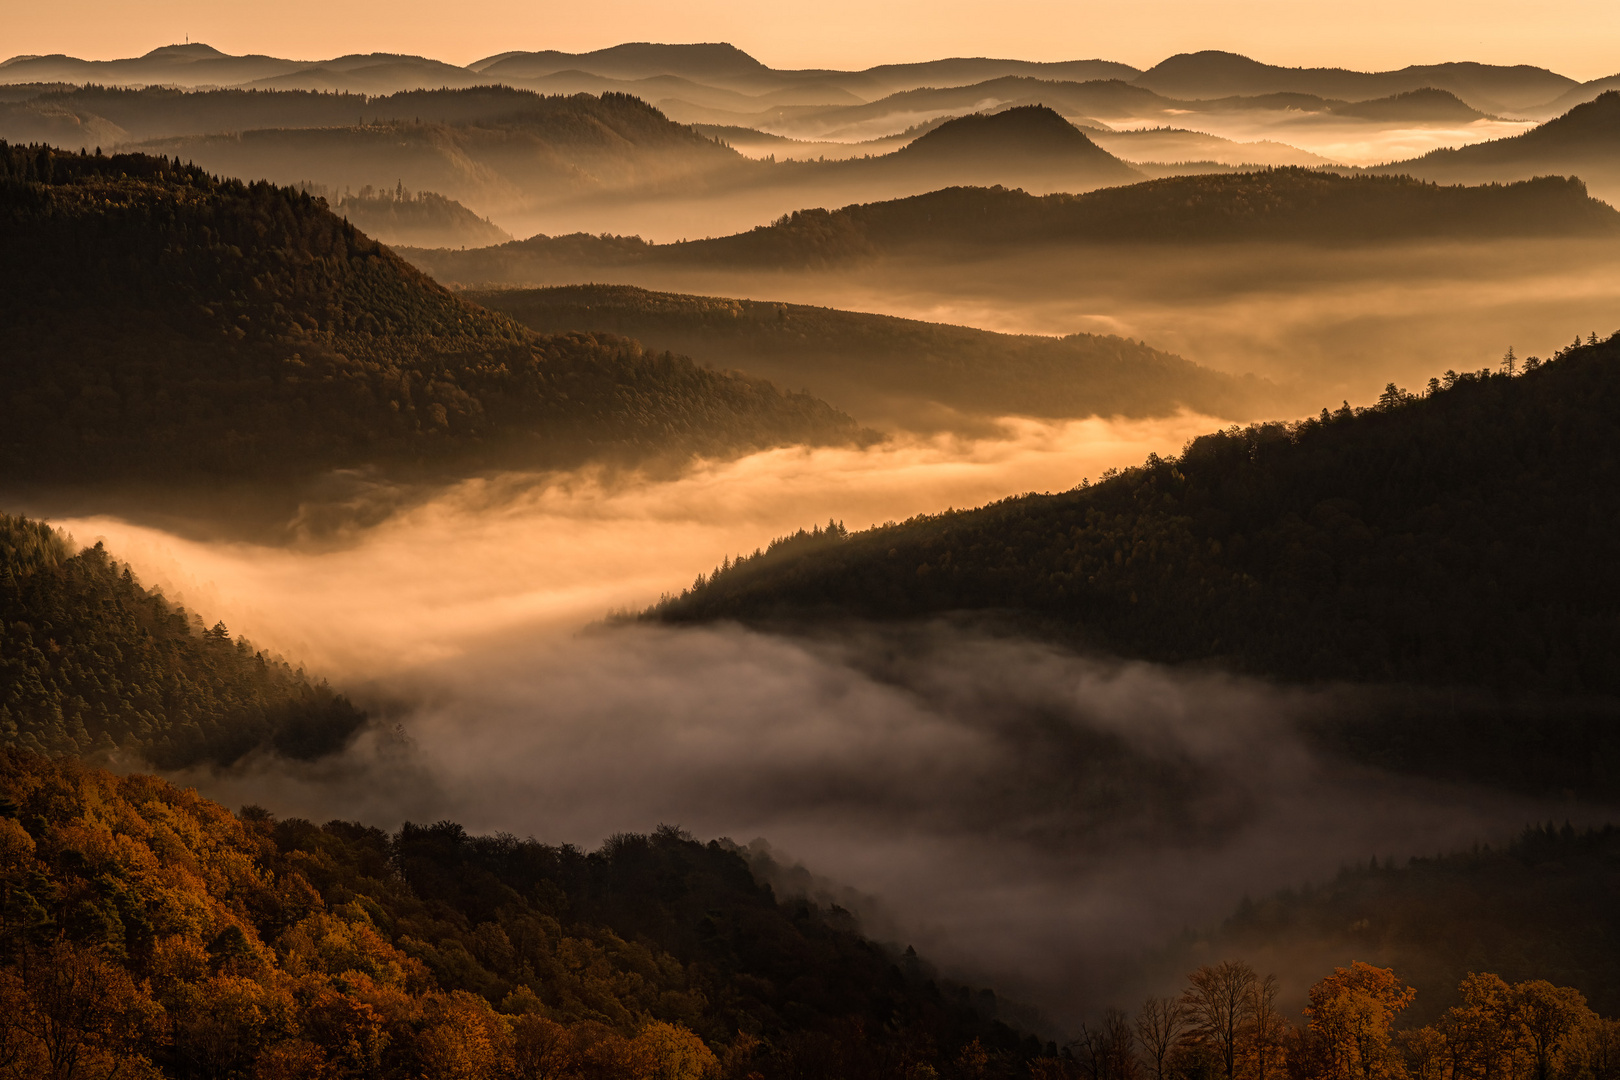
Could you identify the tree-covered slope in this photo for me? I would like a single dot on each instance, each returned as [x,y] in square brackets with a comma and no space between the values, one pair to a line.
[882,367]
[1286,205]
[166,325]
[91,662]
[1539,907]
[157,930]
[1461,538]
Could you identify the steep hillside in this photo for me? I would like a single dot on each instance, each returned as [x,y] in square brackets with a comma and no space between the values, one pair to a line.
[154,930]
[1280,205]
[167,326]
[90,662]
[903,371]
[1583,142]
[1459,540]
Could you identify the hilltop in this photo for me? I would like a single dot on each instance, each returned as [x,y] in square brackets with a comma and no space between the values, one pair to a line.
[170,327]
[1030,137]
[1458,540]
[920,375]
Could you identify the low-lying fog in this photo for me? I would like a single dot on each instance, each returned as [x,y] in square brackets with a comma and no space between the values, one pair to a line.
[1024,816]
[1336,322]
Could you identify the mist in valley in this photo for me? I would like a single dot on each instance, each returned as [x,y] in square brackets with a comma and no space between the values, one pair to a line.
[1025,816]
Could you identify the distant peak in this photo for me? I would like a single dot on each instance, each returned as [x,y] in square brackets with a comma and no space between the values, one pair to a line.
[194,50]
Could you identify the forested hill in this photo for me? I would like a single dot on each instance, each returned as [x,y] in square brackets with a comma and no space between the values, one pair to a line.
[162,324]
[1462,537]
[1275,205]
[91,662]
[160,933]
[921,375]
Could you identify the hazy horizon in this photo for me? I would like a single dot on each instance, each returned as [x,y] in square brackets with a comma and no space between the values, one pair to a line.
[1570,41]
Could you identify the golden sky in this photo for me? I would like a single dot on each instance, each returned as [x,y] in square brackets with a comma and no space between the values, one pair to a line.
[1580,38]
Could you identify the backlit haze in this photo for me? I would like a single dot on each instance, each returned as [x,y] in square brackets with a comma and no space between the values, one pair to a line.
[1573,38]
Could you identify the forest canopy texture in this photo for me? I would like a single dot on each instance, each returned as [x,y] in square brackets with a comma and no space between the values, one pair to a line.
[92,663]
[1458,538]
[163,323]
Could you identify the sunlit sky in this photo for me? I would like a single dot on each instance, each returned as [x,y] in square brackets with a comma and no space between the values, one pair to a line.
[1579,38]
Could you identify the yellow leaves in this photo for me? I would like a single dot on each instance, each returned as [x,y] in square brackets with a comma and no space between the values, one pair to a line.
[331,945]
[674,1053]
[16,846]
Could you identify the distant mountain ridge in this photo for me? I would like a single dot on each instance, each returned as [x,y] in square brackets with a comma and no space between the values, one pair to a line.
[1209,74]
[1278,205]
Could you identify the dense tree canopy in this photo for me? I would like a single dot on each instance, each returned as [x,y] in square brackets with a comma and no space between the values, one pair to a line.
[91,662]
[163,324]
[1459,539]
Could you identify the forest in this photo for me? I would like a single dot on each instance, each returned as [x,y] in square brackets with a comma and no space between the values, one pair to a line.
[881,366]
[1290,205]
[1457,539]
[167,325]
[150,932]
[91,663]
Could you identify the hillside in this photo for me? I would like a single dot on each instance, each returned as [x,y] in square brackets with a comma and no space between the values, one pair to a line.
[1539,907]
[152,929]
[1460,540]
[92,663]
[1489,88]
[1278,205]
[425,218]
[925,376]
[171,327]
[1427,105]
[1030,137]
[1583,142]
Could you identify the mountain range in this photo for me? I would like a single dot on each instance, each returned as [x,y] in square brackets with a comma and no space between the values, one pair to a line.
[1209,74]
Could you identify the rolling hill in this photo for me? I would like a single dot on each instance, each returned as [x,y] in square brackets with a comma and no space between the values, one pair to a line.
[169,327]
[1583,142]
[1459,541]
[1281,205]
[1485,87]
[884,370]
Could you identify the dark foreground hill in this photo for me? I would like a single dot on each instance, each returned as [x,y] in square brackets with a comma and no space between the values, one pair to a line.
[1289,205]
[921,375]
[148,928]
[162,325]
[1461,540]
[90,662]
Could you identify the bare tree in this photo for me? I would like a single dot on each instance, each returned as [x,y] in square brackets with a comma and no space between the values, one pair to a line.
[1217,1005]
[1266,1028]
[1159,1025]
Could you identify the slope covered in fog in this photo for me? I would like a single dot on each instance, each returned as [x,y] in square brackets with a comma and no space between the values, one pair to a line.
[1583,142]
[169,326]
[925,376]
[1529,909]
[1462,538]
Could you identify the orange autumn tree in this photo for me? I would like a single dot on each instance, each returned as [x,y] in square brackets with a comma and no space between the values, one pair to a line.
[1351,1013]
